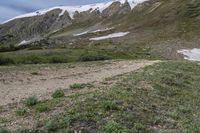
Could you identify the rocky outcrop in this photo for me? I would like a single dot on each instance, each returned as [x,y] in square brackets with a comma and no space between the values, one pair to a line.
[117,8]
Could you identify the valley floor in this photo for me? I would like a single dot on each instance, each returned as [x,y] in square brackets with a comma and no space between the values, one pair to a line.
[19,82]
[116,96]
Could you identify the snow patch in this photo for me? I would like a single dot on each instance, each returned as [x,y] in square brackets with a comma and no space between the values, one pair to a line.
[82,33]
[132,3]
[72,9]
[36,13]
[190,54]
[24,42]
[113,35]
[95,31]
[101,30]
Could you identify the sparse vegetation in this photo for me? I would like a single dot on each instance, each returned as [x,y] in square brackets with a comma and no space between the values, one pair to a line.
[109,105]
[42,107]
[34,73]
[5,60]
[93,57]
[113,127]
[193,9]
[30,101]
[51,126]
[162,98]
[3,130]
[77,86]
[140,128]
[165,131]
[21,111]
[58,93]
[57,123]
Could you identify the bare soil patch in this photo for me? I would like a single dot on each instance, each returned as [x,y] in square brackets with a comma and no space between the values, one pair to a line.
[19,82]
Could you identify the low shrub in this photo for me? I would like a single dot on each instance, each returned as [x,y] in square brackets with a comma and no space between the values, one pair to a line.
[5,60]
[3,130]
[31,59]
[93,57]
[7,48]
[113,127]
[77,86]
[140,128]
[57,59]
[42,107]
[165,131]
[26,130]
[58,93]
[30,101]
[35,73]
[51,126]
[20,111]
[109,105]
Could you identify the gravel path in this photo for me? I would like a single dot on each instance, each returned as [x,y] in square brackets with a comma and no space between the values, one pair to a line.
[17,83]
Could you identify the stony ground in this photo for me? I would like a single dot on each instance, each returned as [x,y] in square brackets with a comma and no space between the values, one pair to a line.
[19,82]
[162,97]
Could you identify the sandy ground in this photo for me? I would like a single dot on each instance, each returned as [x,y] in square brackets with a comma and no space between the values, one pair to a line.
[17,83]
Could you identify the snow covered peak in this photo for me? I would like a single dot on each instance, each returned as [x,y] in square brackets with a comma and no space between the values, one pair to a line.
[72,9]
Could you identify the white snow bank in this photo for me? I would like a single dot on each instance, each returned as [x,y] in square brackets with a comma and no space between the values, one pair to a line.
[36,13]
[113,35]
[82,33]
[100,30]
[24,42]
[95,31]
[72,9]
[190,54]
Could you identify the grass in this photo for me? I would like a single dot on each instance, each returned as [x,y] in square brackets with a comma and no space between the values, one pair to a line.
[113,127]
[58,93]
[193,9]
[165,131]
[35,73]
[160,98]
[93,57]
[77,86]
[3,130]
[21,111]
[42,107]
[51,126]
[30,101]
[105,51]
[109,105]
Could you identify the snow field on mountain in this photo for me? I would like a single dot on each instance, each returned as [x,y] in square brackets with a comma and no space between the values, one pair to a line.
[95,31]
[73,9]
[113,35]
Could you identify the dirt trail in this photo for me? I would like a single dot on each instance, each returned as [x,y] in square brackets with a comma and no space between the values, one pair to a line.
[16,84]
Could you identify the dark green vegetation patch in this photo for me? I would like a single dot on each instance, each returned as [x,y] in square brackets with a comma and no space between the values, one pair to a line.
[58,93]
[30,101]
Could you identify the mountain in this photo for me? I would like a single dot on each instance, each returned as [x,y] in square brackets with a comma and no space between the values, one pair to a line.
[161,26]
[34,25]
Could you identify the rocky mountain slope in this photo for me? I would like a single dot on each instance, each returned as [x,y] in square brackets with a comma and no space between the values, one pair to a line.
[162,26]
[37,24]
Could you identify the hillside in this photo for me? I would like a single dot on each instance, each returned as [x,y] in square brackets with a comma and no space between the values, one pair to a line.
[162,98]
[122,66]
[157,29]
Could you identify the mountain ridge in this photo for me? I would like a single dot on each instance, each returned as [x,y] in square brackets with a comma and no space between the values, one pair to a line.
[40,23]
[160,26]
[79,8]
